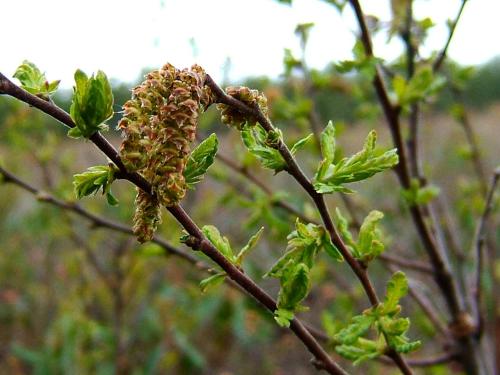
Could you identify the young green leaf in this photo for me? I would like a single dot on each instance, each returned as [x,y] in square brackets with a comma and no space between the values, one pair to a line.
[283,317]
[397,288]
[93,179]
[92,104]
[359,325]
[300,144]
[248,247]
[369,246]
[260,144]
[303,245]
[220,242]
[34,81]
[331,177]
[294,287]
[417,195]
[200,159]
[212,281]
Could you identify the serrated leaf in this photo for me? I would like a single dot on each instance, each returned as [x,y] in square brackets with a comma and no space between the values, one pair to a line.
[331,177]
[294,288]
[248,247]
[257,141]
[397,288]
[359,325]
[92,103]
[283,317]
[221,243]
[34,81]
[212,281]
[200,159]
[300,144]
[368,245]
[93,179]
[328,142]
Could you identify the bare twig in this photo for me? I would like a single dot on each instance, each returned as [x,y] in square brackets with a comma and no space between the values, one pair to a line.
[478,246]
[442,55]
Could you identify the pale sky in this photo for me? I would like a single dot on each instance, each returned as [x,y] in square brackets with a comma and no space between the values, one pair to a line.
[121,37]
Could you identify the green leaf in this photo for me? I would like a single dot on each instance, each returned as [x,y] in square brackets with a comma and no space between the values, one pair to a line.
[421,86]
[220,243]
[294,288]
[300,144]
[283,317]
[200,159]
[93,179]
[359,325]
[397,288]
[92,104]
[331,177]
[328,143]
[259,143]
[303,245]
[417,195]
[34,81]
[369,245]
[212,281]
[248,247]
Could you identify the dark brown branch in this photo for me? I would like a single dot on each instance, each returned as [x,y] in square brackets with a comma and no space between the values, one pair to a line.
[296,172]
[469,357]
[478,251]
[442,55]
[442,273]
[199,241]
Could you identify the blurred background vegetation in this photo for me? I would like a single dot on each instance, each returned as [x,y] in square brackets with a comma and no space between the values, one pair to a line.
[79,299]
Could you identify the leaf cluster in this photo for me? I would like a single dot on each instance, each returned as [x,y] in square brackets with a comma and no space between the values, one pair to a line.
[293,268]
[390,330]
[263,145]
[92,104]
[200,159]
[34,81]
[93,179]
[222,244]
[331,176]
[369,244]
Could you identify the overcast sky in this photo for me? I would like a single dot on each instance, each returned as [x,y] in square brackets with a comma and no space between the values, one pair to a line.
[123,36]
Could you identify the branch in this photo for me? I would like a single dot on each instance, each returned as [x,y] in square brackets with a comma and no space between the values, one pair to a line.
[296,172]
[477,250]
[199,241]
[442,272]
[469,357]
[442,55]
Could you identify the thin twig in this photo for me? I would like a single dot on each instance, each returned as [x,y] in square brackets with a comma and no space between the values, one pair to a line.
[478,246]
[442,55]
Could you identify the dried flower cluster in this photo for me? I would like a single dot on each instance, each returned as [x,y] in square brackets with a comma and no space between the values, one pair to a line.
[231,116]
[158,125]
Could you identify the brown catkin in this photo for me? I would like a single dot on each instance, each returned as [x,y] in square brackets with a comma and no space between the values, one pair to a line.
[158,126]
[231,116]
